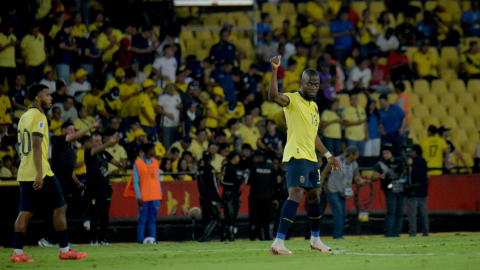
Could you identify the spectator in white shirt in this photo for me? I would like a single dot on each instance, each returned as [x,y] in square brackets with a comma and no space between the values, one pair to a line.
[387,42]
[140,76]
[266,50]
[49,79]
[169,106]
[166,66]
[68,111]
[359,76]
[80,86]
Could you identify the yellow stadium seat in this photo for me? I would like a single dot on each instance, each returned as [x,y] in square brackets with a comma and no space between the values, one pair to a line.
[245,43]
[438,110]
[453,7]
[459,135]
[292,19]
[362,100]
[457,86]
[477,120]
[302,8]
[469,146]
[202,54]
[413,136]
[472,134]
[410,51]
[277,21]
[376,96]
[414,100]
[186,35]
[416,4]
[245,65]
[469,158]
[466,5]
[466,122]
[211,21]
[421,86]
[429,99]
[208,43]
[431,120]
[344,100]
[194,44]
[439,86]
[421,110]
[449,122]
[325,41]
[474,85]
[430,5]
[451,55]
[244,21]
[421,134]
[449,74]
[359,7]
[287,8]
[434,51]
[442,64]
[473,109]
[270,8]
[416,123]
[477,97]
[447,98]
[419,17]
[203,35]
[465,98]
[183,12]
[377,8]
[456,110]
[324,31]
[392,98]
[408,86]
[400,18]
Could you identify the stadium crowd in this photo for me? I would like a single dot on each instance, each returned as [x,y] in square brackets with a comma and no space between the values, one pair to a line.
[146,87]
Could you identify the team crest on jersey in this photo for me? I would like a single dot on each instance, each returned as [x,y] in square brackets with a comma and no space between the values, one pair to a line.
[298,151]
[41,124]
[302,179]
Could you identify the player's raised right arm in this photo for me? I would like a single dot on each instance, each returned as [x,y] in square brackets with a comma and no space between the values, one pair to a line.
[273,94]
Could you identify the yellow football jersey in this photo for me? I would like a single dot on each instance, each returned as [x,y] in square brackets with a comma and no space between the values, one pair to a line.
[32,123]
[302,127]
[433,152]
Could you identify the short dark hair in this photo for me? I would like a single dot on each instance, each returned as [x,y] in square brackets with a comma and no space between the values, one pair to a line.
[67,23]
[6,158]
[59,84]
[199,131]
[147,28]
[418,149]
[187,153]
[147,147]
[56,108]
[67,124]
[130,74]
[264,15]
[383,96]
[34,90]
[223,146]
[231,122]
[246,146]
[96,133]
[432,129]
[223,31]
[291,62]
[174,150]
[220,134]
[270,122]
[401,86]
[166,47]
[232,155]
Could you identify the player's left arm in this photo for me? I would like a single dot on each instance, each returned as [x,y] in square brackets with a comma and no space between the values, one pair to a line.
[331,160]
[79,134]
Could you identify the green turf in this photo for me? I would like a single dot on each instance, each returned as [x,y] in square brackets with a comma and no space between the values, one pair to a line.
[435,252]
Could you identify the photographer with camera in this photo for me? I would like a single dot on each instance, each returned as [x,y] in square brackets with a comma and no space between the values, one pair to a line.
[389,171]
[416,192]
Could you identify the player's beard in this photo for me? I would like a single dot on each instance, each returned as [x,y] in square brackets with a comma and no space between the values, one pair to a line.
[45,106]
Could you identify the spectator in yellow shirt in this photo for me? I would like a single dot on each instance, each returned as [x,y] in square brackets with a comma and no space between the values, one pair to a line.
[250,133]
[7,55]
[355,122]
[229,110]
[34,54]
[367,33]
[97,24]
[470,63]
[423,63]
[166,167]
[59,19]
[84,120]
[212,107]
[90,100]
[146,108]
[110,104]
[108,41]
[79,29]
[291,81]
[183,167]
[81,169]
[55,126]
[129,92]
[199,144]
[115,81]
[332,128]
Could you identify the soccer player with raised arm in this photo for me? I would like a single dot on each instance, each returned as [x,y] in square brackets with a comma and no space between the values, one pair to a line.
[303,173]
[38,184]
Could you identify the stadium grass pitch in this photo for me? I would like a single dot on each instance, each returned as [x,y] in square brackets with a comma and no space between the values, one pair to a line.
[460,251]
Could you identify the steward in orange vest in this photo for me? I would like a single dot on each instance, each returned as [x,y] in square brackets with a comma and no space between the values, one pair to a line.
[144,185]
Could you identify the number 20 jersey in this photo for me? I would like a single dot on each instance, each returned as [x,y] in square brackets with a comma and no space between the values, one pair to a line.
[32,123]
[302,127]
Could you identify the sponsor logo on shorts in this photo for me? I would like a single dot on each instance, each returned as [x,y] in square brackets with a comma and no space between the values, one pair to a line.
[302,179]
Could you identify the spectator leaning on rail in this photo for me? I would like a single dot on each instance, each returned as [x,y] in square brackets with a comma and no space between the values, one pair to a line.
[338,187]
[144,185]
